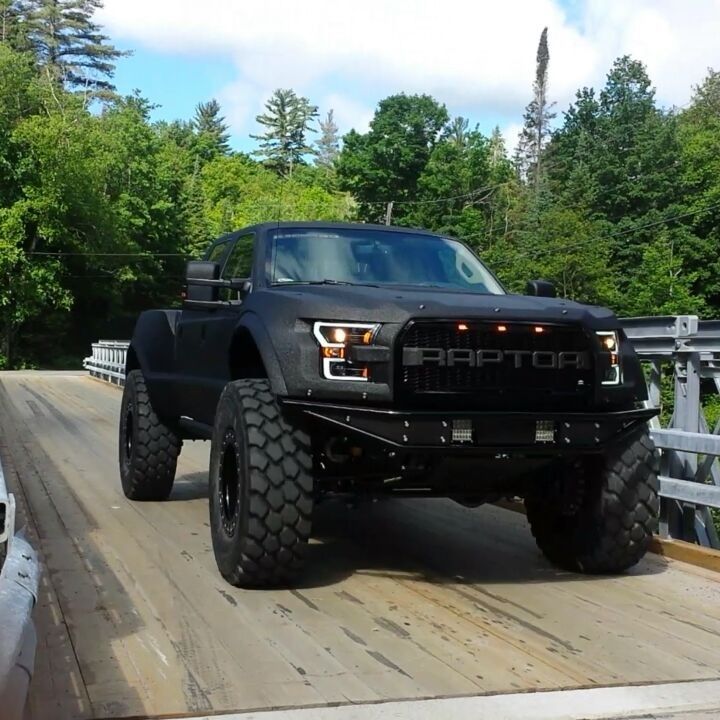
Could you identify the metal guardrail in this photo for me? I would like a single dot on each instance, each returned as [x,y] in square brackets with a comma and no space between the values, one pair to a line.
[690,474]
[690,479]
[107,361]
[19,576]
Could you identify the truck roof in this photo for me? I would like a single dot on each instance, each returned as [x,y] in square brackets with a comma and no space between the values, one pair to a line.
[288,224]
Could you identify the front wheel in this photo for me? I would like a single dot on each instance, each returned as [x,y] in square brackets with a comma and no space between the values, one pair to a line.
[598,515]
[261,488]
[148,449]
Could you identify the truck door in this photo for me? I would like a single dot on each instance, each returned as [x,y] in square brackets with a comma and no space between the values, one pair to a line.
[205,334]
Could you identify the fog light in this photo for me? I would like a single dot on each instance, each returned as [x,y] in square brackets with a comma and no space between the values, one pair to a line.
[544,431]
[462,432]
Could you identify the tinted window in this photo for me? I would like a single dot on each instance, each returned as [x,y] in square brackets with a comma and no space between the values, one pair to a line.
[238,265]
[216,252]
[375,257]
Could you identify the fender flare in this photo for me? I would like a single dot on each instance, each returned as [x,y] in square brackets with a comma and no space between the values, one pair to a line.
[252,323]
[152,350]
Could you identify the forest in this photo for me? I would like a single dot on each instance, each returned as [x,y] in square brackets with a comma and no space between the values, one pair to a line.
[615,199]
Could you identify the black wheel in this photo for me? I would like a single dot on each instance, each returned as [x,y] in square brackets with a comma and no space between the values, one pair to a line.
[148,449]
[598,515]
[261,488]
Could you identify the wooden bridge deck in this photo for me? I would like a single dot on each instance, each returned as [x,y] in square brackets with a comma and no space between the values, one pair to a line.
[402,599]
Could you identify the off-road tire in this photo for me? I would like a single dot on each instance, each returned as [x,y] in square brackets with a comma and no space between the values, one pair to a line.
[608,528]
[148,449]
[261,488]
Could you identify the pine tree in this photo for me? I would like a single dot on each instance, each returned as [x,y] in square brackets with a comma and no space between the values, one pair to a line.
[211,131]
[287,119]
[328,146]
[538,115]
[70,45]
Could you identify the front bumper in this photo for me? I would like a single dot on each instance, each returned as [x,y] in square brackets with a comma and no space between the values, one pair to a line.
[543,433]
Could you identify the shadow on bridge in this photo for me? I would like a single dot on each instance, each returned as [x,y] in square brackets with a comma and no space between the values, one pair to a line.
[436,541]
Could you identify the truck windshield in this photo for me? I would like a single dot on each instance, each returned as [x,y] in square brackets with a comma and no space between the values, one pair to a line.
[375,257]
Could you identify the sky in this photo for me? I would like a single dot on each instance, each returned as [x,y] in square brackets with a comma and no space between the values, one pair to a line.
[476,56]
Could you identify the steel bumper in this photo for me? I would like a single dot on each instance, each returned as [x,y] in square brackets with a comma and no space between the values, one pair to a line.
[545,433]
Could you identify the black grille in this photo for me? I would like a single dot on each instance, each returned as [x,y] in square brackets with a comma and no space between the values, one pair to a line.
[497,384]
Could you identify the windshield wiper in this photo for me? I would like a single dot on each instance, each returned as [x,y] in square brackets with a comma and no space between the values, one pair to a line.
[326,281]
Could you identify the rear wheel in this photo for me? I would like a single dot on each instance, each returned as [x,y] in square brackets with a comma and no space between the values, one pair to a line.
[148,449]
[261,488]
[598,515]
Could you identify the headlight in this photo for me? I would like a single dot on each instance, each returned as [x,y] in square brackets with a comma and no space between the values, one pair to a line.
[610,353]
[334,339]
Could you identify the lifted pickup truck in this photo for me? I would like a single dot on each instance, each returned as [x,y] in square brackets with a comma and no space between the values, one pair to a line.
[343,358]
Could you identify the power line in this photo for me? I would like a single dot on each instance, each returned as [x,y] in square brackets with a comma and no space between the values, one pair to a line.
[149,256]
[434,201]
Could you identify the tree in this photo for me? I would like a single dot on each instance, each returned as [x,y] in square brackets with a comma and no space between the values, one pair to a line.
[537,118]
[211,131]
[699,137]
[454,194]
[288,119]
[616,157]
[328,145]
[385,164]
[70,45]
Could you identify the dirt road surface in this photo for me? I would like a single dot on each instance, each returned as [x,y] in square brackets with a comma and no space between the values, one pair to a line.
[401,600]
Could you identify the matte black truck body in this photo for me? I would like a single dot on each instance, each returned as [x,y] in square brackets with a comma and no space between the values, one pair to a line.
[432,390]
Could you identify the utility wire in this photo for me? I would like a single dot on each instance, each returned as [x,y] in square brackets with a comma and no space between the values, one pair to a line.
[610,236]
[46,253]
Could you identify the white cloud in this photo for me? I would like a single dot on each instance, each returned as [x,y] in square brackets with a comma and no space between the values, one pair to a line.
[511,134]
[478,56]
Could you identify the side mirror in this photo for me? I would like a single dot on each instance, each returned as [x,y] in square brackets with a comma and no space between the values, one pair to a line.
[540,288]
[202,270]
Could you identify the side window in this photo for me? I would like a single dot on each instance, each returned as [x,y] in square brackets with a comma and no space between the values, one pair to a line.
[239,264]
[216,252]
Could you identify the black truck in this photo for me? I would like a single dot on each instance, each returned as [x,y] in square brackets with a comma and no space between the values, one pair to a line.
[324,359]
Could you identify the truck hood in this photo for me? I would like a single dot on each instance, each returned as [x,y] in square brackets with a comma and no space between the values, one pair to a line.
[355,303]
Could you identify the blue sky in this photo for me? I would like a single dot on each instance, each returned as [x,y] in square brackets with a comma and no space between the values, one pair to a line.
[477,56]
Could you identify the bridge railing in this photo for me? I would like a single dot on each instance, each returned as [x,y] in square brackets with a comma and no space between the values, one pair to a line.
[683,348]
[107,361]
[685,351]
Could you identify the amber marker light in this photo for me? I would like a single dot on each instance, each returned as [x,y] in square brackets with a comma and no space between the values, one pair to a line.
[367,337]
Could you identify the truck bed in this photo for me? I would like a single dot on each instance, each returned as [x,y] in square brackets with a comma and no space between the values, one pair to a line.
[401,599]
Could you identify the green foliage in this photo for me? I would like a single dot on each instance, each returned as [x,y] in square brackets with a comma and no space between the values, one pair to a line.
[386,163]
[238,192]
